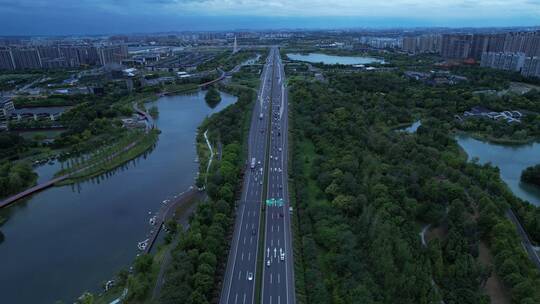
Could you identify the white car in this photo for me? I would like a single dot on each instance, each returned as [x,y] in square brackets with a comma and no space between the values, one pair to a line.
[250,276]
[282,256]
[267,263]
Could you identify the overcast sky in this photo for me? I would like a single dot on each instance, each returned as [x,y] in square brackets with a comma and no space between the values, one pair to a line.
[36,17]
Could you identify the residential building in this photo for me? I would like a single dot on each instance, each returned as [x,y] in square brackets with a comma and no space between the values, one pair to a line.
[409,44]
[6,108]
[26,58]
[503,61]
[456,46]
[50,52]
[525,42]
[531,67]
[70,55]
[112,54]
[479,45]
[6,59]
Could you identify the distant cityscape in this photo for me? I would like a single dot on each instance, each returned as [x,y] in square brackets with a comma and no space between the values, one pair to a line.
[513,50]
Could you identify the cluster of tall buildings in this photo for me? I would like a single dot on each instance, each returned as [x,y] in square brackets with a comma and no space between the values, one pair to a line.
[464,46]
[422,44]
[528,66]
[47,57]
[512,51]
[380,42]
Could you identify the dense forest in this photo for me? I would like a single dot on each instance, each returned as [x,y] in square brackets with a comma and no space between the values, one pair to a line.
[531,175]
[363,192]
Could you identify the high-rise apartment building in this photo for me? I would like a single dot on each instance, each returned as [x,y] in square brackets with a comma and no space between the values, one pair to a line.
[50,52]
[503,61]
[112,54]
[6,59]
[456,46]
[26,58]
[531,67]
[525,42]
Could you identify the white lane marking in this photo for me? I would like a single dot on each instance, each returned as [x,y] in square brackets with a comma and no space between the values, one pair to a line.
[236,298]
[251,240]
[270,278]
[249,256]
[244,240]
[278,278]
[239,274]
[277,228]
[244,298]
[242,258]
[278,299]
[236,252]
[278,240]
[272,242]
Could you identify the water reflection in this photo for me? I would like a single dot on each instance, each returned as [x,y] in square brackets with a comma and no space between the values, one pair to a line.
[68,239]
[510,159]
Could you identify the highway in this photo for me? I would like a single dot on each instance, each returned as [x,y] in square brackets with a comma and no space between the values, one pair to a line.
[239,282]
[278,275]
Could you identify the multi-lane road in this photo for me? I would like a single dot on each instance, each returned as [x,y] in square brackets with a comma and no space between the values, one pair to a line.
[267,163]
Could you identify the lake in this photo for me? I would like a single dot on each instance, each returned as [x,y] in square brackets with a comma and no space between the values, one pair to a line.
[331,59]
[68,239]
[511,160]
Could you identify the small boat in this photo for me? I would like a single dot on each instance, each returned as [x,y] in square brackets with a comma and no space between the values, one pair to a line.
[142,245]
[152,221]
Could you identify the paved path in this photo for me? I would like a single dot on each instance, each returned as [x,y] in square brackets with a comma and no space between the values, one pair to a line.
[166,212]
[183,220]
[525,240]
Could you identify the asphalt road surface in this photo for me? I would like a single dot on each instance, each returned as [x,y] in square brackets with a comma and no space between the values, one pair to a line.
[278,275]
[240,276]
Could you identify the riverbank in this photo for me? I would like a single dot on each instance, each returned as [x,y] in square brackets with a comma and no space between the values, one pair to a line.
[495,140]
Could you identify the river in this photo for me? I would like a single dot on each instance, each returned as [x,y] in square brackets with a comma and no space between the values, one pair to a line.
[511,160]
[69,239]
[331,59]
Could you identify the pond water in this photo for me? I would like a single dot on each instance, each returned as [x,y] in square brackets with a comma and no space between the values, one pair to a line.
[511,160]
[68,239]
[412,128]
[331,59]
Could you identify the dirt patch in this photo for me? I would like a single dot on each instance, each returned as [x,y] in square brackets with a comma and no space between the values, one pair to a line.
[494,287]
[437,232]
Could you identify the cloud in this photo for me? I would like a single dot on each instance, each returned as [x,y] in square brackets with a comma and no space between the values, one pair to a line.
[116,15]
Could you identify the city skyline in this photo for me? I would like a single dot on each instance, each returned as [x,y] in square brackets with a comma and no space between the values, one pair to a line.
[37,17]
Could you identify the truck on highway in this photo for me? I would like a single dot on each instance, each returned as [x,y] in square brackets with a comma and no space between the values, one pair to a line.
[253,163]
[261,116]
